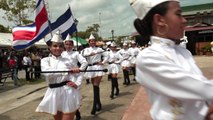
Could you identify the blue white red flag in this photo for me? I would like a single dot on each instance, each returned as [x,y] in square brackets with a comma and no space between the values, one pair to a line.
[25,36]
[65,24]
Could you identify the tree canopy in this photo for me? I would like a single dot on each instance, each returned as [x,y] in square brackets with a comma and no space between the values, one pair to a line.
[94,29]
[17,11]
[4,29]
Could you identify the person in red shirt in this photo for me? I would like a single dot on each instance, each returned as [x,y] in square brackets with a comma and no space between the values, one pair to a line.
[14,69]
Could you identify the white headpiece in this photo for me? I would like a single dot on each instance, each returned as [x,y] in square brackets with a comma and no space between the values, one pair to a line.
[125,44]
[57,37]
[68,38]
[91,37]
[132,42]
[108,43]
[142,7]
[113,44]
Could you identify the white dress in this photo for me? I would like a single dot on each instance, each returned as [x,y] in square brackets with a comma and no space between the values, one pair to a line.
[114,60]
[76,57]
[125,57]
[133,52]
[176,87]
[94,59]
[65,99]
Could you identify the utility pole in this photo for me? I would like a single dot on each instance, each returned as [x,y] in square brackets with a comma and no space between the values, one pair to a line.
[100,24]
[112,31]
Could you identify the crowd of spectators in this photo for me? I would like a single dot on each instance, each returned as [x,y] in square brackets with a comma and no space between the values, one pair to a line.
[28,60]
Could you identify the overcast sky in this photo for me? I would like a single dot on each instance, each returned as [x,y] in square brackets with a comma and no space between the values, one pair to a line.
[114,15]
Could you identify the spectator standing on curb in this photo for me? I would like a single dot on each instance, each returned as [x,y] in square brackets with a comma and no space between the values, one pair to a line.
[13,65]
[27,64]
[36,60]
[175,85]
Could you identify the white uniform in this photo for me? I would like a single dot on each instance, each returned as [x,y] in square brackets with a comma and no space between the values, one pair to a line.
[114,60]
[133,52]
[176,87]
[92,60]
[76,57]
[65,99]
[125,57]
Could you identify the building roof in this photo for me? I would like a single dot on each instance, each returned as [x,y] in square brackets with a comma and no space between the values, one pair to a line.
[199,26]
[189,10]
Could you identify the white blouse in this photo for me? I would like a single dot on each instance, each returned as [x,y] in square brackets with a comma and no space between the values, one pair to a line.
[175,85]
[76,57]
[65,99]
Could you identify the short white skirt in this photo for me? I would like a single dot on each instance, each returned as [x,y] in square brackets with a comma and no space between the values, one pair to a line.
[89,75]
[133,60]
[125,63]
[113,68]
[64,99]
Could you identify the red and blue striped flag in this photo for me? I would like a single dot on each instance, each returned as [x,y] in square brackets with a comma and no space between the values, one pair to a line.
[64,23]
[25,36]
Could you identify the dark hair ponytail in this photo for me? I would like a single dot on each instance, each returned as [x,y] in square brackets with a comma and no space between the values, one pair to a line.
[144,27]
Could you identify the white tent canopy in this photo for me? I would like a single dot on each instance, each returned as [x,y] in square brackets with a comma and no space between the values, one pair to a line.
[41,43]
[6,39]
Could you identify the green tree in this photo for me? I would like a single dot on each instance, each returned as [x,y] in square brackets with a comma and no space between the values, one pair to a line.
[17,11]
[4,29]
[94,29]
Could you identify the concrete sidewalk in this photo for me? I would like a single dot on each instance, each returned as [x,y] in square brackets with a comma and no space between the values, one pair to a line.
[21,95]
[20,103]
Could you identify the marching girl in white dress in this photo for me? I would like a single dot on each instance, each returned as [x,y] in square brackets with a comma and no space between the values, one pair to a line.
[134,50]
[125,63]
[94,56]
[114,68]
[77,60]
[62,97]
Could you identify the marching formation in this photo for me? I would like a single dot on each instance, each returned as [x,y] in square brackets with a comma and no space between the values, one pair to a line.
[176,87]
[63,97]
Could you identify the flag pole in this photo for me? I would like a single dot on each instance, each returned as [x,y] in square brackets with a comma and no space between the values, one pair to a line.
[49,22]
[76,23]
[76,33]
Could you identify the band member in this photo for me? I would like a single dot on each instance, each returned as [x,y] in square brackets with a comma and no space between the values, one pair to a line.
[176,87]
[114,68]
[108,44]
[125,64]
[62,97]
[76,58]
[94,58]
[134,50]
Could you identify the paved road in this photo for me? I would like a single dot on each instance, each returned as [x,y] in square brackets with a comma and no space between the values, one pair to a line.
[23,108]
[131,104]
